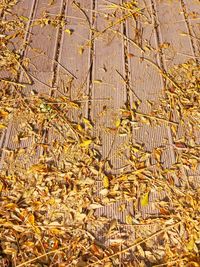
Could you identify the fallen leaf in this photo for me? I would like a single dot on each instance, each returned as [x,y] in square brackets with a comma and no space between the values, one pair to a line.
[88,123]
[106,182]
[118,122]
[97,81]
[104,192]
[2,126]
[129,219]
[180,145]
[145,200]
[10,251]
[31,219]
[24,18]
[69,31]
[94,206]
[130,55]
[86,143]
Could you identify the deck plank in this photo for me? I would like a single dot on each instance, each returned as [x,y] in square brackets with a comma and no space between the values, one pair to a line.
[159,34]
[172,26]
[73,68]
[42,47]
[108,84]
[180,31]
[167,48]
[146,83]
[192,13]
[74,60]
[145,79]
[23,8]
[41,67]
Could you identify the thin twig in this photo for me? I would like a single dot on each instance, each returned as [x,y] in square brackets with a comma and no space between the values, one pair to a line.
[163,73]
[41,256]
[110,150]
[128,85]
[156,118]
[129,40]
[79,101]
[64,68]
[167,263]
[135,244]
[84,13]
[76,133]
[41,82]
[107,28]
[13,83]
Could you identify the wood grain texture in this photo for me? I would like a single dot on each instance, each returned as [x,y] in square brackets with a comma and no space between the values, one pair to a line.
[179,30]
[41,51]
[192,14]
[107,83]
[175,43]
[145,80]
[74,60]
[42,47]
[74,65]
[147,84]
[23,8]
[192,18]
[156,32]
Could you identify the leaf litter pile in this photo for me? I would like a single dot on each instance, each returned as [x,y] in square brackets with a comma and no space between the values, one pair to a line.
[48,206]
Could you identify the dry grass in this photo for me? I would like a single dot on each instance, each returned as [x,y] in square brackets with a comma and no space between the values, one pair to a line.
[48,187]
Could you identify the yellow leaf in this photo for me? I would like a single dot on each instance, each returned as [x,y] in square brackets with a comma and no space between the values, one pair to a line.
[69,31]
[145,200]
[97,81]
[40,168]
[118,122]
[104,192]
[10,251]
[55,231]
[37,231]
[11,206]
[31,219]
[86,143]
[105,182]
[94,206]
[18,228]
[190,245]
[1,187]
[2,126]
[129,219]
[81,50]
[88,123]
[136,148]
[73,104]
[80,216]
[80,128]
[29,244]
[3,113]
[141,251]
[135,105]
[24,18]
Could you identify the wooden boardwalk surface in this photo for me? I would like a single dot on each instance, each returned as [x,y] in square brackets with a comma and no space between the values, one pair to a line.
[107,61]
[105,66]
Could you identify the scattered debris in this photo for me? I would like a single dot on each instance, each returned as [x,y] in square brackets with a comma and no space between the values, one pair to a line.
[48,185]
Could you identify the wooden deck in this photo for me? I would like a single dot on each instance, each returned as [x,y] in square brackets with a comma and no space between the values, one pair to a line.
[107,62]
[106,66]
